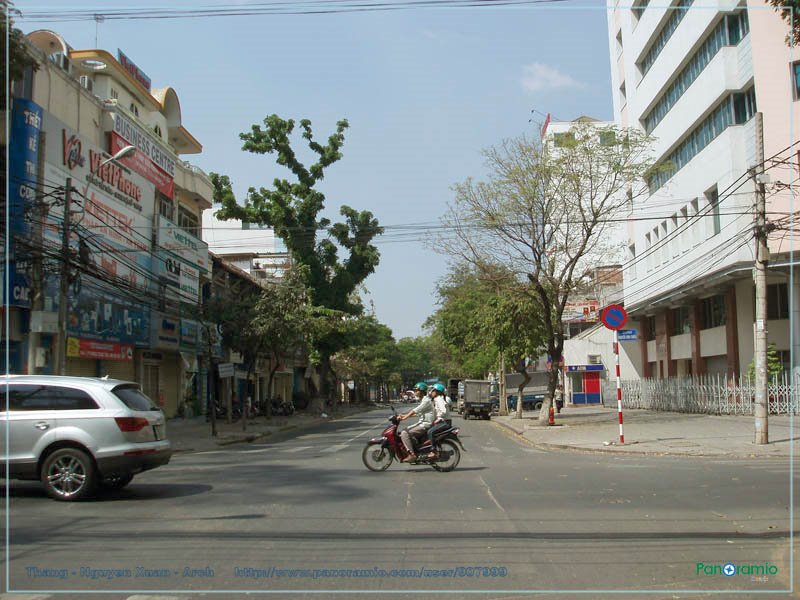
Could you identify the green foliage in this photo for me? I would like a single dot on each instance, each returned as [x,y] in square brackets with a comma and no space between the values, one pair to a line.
[19,57]
[479,318]
[371,353]
[790,12]
[774,365]
[291,208]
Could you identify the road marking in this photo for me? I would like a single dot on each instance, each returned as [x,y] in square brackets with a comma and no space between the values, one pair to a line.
[492,449]
[296,449]
[491,495]
[254,451]
[334,448]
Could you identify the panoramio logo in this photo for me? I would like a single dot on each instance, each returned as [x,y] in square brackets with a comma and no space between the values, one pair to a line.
[731,569]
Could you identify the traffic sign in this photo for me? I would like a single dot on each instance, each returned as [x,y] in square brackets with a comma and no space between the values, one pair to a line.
[614,317]
[628,335]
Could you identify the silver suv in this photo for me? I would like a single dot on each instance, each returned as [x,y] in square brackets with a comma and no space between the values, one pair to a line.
[77,433]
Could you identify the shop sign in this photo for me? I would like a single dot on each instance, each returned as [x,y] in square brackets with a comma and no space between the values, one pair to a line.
[135,71]
[181,278]
[80,348]
[161,157]
[166,332]
[141,163]
[191,250]
[583,311]
[27,120]
[188,334]
[582,368]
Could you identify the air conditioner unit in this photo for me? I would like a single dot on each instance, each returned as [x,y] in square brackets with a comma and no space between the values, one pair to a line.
[87,82]
[61,59]
[594,359]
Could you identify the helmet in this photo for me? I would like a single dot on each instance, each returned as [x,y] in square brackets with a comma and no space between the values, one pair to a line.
[422,387]
[438,387]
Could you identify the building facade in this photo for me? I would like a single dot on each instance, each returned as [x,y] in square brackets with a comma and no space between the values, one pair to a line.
[694,76]
[133,260]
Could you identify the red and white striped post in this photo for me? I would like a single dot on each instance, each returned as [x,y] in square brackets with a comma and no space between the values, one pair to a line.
[619,386]
[614,317]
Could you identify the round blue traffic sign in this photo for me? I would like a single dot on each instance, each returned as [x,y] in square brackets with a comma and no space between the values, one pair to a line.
[614,316]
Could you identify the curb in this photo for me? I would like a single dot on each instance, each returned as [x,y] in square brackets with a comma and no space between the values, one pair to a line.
[581,450]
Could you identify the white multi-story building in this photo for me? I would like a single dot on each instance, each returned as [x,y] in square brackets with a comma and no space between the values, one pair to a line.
[694,74]
[247,246]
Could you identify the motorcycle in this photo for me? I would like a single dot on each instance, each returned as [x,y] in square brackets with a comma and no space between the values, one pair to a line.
[380,452]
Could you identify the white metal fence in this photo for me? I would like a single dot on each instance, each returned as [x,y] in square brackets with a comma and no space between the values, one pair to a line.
[716,395]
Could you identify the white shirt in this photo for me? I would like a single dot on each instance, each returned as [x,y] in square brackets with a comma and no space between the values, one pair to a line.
[440,404]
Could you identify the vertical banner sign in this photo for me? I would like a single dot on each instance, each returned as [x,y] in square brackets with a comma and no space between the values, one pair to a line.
[614,317]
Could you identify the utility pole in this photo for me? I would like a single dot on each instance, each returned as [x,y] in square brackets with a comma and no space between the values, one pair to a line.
[762,258]
[64,283]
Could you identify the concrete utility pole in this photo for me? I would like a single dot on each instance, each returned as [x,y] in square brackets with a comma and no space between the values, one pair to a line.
[63,292]
[762,258]
[37,273]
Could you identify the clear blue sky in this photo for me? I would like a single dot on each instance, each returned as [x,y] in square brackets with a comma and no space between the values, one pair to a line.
[424,91]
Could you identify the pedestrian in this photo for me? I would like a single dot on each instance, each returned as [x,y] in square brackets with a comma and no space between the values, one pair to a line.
[559,397]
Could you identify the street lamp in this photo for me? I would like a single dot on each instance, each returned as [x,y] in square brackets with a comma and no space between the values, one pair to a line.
[64,283]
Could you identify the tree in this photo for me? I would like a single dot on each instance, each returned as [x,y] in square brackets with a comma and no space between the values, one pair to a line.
[544,215]
[774,365]
[281,319]
[483,318]
[790,12]
[20,57]
[291,208]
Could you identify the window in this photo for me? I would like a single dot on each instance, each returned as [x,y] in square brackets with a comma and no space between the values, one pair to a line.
[608,138]
[157,131]
[133,398]
[632,260]
[166,208]
[188,221]
[680,321]
[41,397]
[744,106]
[796,79]
[114,94]
[676,16]
[561,140]
[639,9]
[777,301]
[712,312]
[134,109]
[713,202]
[650,325]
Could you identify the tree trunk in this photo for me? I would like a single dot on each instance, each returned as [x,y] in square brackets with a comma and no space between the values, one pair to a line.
[503,399]
[525,380]
[552,383]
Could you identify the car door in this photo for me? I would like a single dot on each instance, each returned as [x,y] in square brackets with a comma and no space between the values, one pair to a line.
[31,425]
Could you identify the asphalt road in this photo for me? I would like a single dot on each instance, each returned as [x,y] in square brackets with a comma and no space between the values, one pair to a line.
[302,514]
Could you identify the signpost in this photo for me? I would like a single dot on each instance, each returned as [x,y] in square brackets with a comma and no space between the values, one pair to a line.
[614,317]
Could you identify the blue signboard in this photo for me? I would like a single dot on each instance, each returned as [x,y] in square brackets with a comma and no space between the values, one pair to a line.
[573,368]
[628,335]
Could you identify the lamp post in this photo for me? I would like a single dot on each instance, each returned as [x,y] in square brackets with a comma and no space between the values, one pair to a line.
[61,364]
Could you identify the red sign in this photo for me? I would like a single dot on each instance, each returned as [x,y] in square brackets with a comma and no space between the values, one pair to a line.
[614,316]
[78,348]
[140,163]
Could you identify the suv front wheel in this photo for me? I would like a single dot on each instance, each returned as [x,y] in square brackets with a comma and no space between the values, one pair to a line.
[68,474]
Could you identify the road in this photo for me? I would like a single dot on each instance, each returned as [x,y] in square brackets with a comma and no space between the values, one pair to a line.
[512,521]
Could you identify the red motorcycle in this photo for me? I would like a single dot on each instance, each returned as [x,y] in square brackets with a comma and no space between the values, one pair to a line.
[381,451]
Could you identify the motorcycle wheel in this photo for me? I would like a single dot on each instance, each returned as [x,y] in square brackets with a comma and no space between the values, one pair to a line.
[376,458]
[452,453]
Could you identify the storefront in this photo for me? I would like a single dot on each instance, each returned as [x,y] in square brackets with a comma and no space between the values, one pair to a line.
[584,384]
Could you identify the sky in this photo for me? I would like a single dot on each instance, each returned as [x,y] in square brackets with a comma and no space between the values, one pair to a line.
[425,91]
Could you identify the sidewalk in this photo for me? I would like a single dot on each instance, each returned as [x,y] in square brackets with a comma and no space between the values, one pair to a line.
[596,429]
[194,434]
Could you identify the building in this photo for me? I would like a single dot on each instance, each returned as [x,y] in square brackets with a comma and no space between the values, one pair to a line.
[249,247]
[133,258]
[695,76]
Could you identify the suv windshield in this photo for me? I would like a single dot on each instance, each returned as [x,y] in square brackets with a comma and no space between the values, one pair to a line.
[133,397]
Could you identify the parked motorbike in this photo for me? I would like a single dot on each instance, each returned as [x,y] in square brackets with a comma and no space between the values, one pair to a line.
[380,452]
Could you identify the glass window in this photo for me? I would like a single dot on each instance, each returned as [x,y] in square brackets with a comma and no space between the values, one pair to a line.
[188,221]
[713,311]
[134,398]
[680,321]
[713,202]
[778,301]
[29,397]
[166,208]
[561,140]
[650,331]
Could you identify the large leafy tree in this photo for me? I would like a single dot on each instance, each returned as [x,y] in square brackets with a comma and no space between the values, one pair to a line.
[292,207]
[545,214]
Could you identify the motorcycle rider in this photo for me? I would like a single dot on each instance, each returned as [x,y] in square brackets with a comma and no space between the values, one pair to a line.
[425,411]
[440,406]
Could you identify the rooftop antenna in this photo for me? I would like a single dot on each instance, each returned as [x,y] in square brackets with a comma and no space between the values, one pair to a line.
[98,18]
